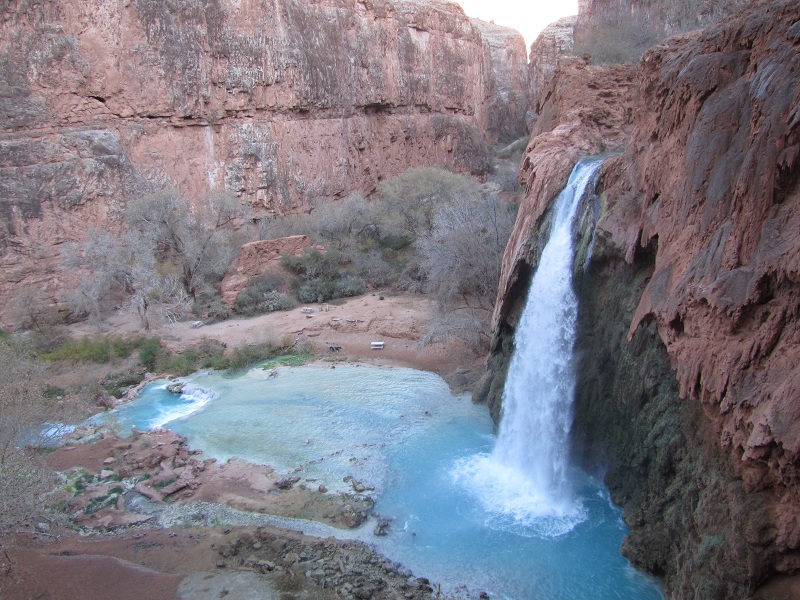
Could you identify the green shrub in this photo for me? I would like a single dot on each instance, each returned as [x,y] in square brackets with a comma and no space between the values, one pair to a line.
[273,301]
[252,301]
[149,350]
[316,290]
[99,349]
[218,362]
[313,264]
[210,306]
[321,290]
[247,300]
[249,355]
[349,285]
[49,338]
[52,392]
[115,384]
[165,482]
[181,364]
[211,355]
[295,359]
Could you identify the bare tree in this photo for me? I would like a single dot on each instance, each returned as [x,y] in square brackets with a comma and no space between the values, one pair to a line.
[127,265]
[343,224]
[462,257]
[411,198]
[425,223]
[24,409]
[166,257]
[26,308]
[201,244]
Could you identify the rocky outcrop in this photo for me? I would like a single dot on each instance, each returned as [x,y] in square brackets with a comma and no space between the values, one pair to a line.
[255,259]
[505,70]
[279,102]
[688,381]
[159,466]
[584,110]
[554,45]
[714,169]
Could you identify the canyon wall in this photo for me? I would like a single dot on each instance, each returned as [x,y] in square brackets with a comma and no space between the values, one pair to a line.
[281,102]
[687,271]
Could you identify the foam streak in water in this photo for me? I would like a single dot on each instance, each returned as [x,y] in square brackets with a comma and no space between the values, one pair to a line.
[192,399]
[525,477]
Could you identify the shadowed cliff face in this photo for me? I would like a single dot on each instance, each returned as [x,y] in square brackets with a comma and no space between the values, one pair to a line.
[714,167]
[281,102]
[689,346]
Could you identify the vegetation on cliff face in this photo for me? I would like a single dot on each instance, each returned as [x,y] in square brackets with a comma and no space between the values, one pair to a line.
[619,32]
[687,381]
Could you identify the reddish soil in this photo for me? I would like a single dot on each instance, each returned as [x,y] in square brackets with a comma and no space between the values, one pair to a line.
[136,562]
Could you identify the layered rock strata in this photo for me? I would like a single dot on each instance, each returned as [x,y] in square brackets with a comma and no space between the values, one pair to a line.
[279,102]
[688,379]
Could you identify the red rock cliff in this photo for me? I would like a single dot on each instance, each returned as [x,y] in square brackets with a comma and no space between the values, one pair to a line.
[715,166]
[689,384]
[278,101]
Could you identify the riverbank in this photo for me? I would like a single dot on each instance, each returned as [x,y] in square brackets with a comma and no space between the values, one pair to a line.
[401,322]
[189,544]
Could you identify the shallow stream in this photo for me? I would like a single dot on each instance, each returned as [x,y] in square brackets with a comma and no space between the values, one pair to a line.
[402,432]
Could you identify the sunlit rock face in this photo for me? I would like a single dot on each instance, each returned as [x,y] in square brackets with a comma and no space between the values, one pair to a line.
[280,102]
[687,397]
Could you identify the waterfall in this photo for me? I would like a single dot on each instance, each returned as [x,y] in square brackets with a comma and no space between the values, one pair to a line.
[526,475]
[537,399]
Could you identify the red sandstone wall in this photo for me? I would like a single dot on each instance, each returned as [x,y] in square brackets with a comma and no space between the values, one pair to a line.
[279,101]
[710,182]
[715,165]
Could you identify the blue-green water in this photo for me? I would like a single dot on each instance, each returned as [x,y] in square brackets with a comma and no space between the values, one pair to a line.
[401,431]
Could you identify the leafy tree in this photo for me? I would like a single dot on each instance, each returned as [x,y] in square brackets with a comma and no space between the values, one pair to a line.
[263,295]
[321,277]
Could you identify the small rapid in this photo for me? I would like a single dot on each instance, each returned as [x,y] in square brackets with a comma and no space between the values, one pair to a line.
[160,407]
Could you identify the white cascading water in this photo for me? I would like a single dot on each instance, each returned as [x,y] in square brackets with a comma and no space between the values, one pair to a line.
[525,477]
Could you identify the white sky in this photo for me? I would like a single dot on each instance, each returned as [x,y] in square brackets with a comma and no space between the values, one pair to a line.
[528,17]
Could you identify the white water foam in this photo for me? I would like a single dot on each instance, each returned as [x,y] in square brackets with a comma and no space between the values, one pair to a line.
[525,481]
[193,398]
[512,502]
